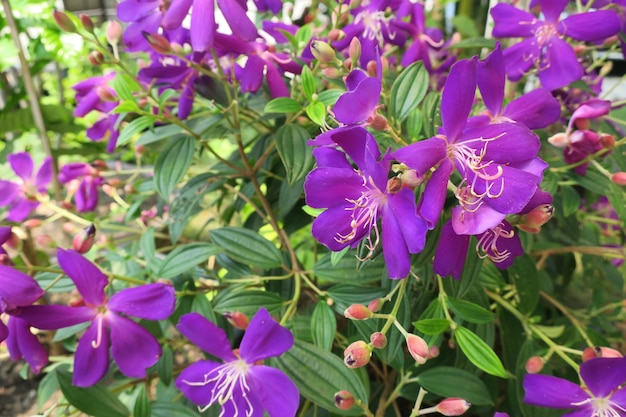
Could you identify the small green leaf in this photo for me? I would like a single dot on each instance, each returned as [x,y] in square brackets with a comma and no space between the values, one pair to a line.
[170,409]
[142,404]
[165,365]
[185,257]
[479,353]
[138,125]
[323,326]
[47,386]
[124,86]
[308,82]
[330,97]
[172,165]
[316,112]
[408,90]
[335,257]
[475,42]
[432,114]
[247,246]
[551,331]
[283,105]
[465,25]
[129,106]
[313,212]
[414,124]
[297,156]
[304,34]
[571,200]
[432,326]
[447,381]
[96,401]
[469,311]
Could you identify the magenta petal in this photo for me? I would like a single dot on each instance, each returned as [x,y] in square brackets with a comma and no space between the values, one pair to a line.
[206,335]
[335,222]
[458,97]
[413,228]
[176,13]
[264,338]
[451,252]
[397,257]
[591,109]
[276,392]
[358,105]
[89,280]
[591,26]
[603,375]
[521,57]
[502,142]
[4,331]
[237,19]
[327,157]
[552,392]
[22,164]
[191,382]
[423,155]
[52,317]
[17,289]
[466,222]
[8,192]
[23,343]
[44,175]
[5,234]
[434,196]
[151,301]
[509,21]
[536,109]
[330,187]
[490,78]
[21,209]
[559,65]
[252,74]
[552,9]
[134,349]
[132,10]
[275,82]
[91,360]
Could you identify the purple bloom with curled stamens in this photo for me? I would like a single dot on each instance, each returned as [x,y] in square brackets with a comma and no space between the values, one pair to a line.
[602,394]
[241,385]
[20,196]
[544,46]
[86,195]
[133,348]
[355,200]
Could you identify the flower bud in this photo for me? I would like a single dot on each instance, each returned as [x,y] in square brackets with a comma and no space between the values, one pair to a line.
[357,354]
[531,222]
[87,23]
[378,340]
[582,123]
[619,178]
[372,69]
[237,319]
[106,94]
[453,407]
[344,400]
[64,22]
[600,352]
[336,35]
[354,51]
[357,312]
[31,223]
[433,352]
[607,141]
[418,348]
[378,122]
[332,72]
[113,32]
[159,43]
[83,241]
[323,51]
[5,260]
[534,365]
[96,58]
[375,305]
[560,140]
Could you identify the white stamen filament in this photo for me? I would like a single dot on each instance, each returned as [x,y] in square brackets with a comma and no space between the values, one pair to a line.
[96,343]
[488,244]
[603,407]
[374,23]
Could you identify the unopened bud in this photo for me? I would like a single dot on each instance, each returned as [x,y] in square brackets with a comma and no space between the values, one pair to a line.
[237,319]
[378,340]
[600,352]
[607,141]
[560,140]
[83,241]
[87,23]
[5,260]
[64,22]
[354,51]
[453,406]
[96,58]
[433,352]
[619,178]
[378,122]
[106,94]
[531,222]
[357,312]
[375,305]
[418,348]
[113,32]
[582,123]
[357,354]
[178,48]
[605,69]
[332,72]
[159,43]
[534,365]
[323,51]
[336,35]
[31,223]
[372,68]
[344,400]
[579,49]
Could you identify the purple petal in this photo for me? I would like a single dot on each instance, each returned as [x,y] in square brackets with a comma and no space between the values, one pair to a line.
[509,21]
[423,155]
[89,280]
[330,187]
[335,222]
[237,19]
[86,196]
[552,9]
[521,57]
[537,109]
[451,252]
[190,380]
[475,221]
[514,191]
[22,343]
[397,257]
[552,392]
[434,196]
[22,164]
[276,392]
[206,335]
[134,349]
[132,10]
[185,102]
[264,338]
[4,331]
[539,198]
[5,234]
[559,65]
[44,175]
[8,192]
[413,230]
[52,317]
[86,104]
[151,301]
[490,78]
[458,97]
[133,34]
[591,109]
[359,144]
[502,142]
[252,75]
[176,13]
[603,375]
[619,397]
[358,105]
[327,157]
[591,26]
[275,82]
[17,288]
[91,361]
[501,244]
[21,209]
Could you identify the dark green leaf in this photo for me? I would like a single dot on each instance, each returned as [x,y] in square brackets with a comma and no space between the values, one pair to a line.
[283,105]
[323,326]
[571,200]
[96,401]
[172,165]
[469,311]
[408,90]
[344,295]
[432,326]
[465,25]
[479,353]
[168,409]
[523,274]
[308,82]
[247,246]
[432,114]
[291,144]
[414,124]
[475,42]
[247,301]
[142,404]
[48,385]
[185,257]
[165,365]
[447,381]
[345,269]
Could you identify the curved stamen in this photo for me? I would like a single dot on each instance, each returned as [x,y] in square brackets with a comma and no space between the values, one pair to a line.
[96,343]
[374,23]
[487,246]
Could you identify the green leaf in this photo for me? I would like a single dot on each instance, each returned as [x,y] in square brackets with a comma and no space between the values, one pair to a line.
[165,365]
[142,404]
[308,82]
[323,326]
[344,295]
[247,301]
[469,311]
[335,257]
[432,326]
[571,200]
[62,283]
[319,374]
[451,382]
[414,124]
[291,144]
[185,257]
[172,165]
[479,353]
[523,274]
[408,90]
[304,35]
[330,97]
[283,105]
[345,269]
[202,305]
[48,385]
[465,25]
[96,401]
[138,125]
[129,106]
[169,409]
[247,246]
[432,114]
[551,331]
[316,112]
[474,42]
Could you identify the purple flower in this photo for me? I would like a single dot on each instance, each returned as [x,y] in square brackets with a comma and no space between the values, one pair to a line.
[600,396]
[355,199]
[133,348]
[86,196]
[20,196]
[544,46]
[18,290]
[240,384]
[5,235]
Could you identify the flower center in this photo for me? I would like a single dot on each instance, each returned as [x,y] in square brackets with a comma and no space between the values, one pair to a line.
[603,407]
[376,25]
[544,32]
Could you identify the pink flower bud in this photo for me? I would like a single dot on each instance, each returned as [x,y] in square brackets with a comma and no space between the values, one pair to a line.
[336,35]
[96,58]
[323,51]
[375,305]
[106,94]
[537,217]
[534,365]
[619,178]
[113,32]
[83,241]
[582,123]
[64,22]
[354,51]
[418,348]
[332,72]
[31,223]
[357,312]
[607,141]
[159,43]
[5,260]
[87,23]
[600,352]
[433,352]
[344,400]
[378,122]
[357,354]
[453,407]
[237,319]
[378,340]
[560,140]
